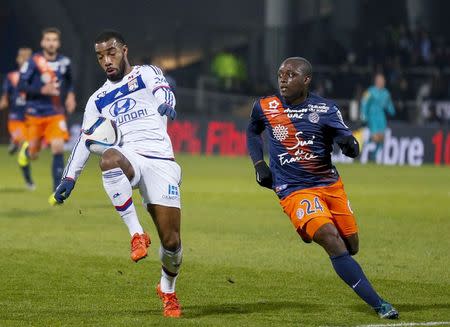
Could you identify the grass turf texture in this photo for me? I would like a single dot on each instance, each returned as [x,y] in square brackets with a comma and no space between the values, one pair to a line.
[243,263]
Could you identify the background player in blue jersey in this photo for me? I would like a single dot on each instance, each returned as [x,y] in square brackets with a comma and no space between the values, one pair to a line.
[376,102]
[46,78]
[14,100]
[301,128]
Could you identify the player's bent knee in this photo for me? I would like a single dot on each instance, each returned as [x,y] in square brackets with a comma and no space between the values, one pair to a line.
[352,244]
[328,237]
[110,159]
[171,242]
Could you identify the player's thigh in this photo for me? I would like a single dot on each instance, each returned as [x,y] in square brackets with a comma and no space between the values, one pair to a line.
[341,212]
[17,131]
[307,212]
[130,162]
[56,129]
[35,127]
[160,182]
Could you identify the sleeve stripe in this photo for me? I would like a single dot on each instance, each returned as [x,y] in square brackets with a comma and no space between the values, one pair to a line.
[71,157]
[160,87]
[156,70]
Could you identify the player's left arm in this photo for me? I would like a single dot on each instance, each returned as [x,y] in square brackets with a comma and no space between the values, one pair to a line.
[342,135]
[4,100]
[71,102]
[390,105]
[161,90]
[255,129]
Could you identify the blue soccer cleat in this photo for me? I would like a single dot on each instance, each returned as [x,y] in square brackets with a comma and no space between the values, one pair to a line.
[386,311]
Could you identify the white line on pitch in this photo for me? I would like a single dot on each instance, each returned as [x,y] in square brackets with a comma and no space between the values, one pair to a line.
[405,324]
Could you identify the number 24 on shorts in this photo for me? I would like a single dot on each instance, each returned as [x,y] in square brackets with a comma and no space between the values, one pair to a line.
[311,208]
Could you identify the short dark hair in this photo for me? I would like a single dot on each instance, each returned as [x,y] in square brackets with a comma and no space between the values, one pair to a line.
[107,35]
[51,30]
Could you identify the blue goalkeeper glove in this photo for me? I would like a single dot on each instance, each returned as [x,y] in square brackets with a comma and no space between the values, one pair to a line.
[64,189]
[165,110]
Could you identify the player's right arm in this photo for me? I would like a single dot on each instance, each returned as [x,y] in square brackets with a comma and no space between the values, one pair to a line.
[78,158]
[27,71]
[255,146]
[365,105]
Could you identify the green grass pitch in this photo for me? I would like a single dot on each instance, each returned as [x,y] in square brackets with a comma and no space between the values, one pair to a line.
[243,263]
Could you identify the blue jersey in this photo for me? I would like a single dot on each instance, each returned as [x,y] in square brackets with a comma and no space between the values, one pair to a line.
[16,99]
[37,72]
[300,141]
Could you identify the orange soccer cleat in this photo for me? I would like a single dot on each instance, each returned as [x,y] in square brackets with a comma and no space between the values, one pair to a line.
[172,307]
[139,245]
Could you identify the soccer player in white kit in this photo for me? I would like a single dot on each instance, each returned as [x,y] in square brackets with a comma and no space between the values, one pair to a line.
[139,100]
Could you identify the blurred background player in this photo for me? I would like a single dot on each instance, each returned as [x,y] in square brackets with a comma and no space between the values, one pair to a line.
[144,160]
[46,78]
[15,101]
[301,129]
[376,102]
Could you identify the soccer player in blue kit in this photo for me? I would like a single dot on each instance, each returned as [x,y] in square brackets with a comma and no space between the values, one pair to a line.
[301,128]
[14,100]
[46,79]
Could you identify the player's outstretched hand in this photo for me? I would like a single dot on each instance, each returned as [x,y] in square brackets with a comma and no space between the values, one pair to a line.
[165,109]
[263,174]
[64,189]
[349,145]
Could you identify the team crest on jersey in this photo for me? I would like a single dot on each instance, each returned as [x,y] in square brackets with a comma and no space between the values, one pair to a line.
[133,85]
[300,213]
[122,106]
[314,117]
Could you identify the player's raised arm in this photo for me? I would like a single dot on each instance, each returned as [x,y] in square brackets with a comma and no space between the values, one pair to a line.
[77,160]
[161,90]
[342,134]
[255,147]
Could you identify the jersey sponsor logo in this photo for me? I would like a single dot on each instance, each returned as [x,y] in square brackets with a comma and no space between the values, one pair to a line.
[318,107]
[299,154]
[127,117]
[295,113]
[172,193]
[273,108]
[122,106]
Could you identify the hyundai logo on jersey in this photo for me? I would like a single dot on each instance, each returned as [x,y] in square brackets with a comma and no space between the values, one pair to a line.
[121,106]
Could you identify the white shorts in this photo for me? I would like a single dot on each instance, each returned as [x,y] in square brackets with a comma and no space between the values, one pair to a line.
[158,180]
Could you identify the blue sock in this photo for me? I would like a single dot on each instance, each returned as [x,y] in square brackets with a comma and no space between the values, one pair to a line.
[26,172]
[351,273]
[57,169]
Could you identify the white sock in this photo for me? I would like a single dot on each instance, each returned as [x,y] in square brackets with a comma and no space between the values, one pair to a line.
[171,262]
[119,190]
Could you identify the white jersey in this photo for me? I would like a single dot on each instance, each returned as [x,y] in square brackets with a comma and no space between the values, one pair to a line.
[133,104]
